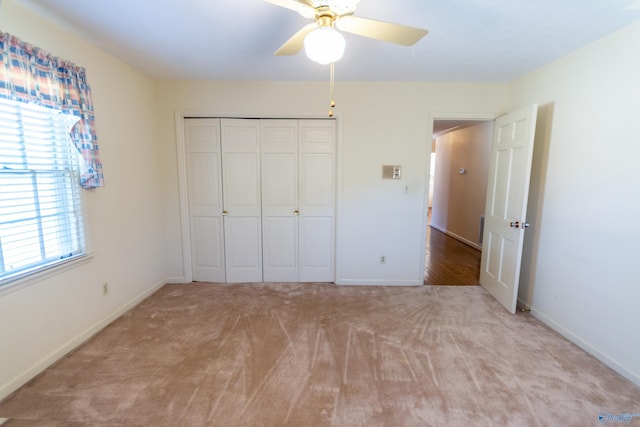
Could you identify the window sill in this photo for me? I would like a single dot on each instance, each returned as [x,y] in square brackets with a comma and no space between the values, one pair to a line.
[30,278]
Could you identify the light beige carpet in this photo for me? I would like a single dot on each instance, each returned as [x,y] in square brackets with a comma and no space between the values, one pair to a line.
[323,355]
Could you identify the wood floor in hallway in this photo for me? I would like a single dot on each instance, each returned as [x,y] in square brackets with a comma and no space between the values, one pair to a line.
[449,261]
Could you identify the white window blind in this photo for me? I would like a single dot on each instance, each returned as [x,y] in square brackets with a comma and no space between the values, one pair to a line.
[40,207]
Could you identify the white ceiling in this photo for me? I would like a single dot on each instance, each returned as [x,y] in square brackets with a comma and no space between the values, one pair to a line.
[469,40]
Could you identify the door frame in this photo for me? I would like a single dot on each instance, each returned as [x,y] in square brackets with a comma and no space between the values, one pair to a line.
[181,114]
[432,118]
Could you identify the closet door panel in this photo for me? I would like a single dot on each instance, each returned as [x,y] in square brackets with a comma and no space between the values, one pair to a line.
[316,254]
[279,183]
[280,258]
[317,200]
[280,200]
[317,136]
[202,144]
[316,181]
[317,218]
[205,196]
[241,200]
[207,252]
[242,253]
[242,184]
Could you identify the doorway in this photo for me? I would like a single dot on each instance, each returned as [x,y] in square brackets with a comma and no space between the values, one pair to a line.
[460,155]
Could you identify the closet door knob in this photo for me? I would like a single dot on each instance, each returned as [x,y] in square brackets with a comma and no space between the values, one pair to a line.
[296,212]
[225,213]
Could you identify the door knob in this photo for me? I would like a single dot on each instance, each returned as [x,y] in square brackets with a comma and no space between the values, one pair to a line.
[225,213]
[296,212]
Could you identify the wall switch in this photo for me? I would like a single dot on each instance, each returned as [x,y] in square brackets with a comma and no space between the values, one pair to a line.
[396,172]
[391,171]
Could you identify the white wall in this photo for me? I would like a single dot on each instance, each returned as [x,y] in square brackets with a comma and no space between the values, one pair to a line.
[381,123]
[580,268]
[459,199]
[42,320]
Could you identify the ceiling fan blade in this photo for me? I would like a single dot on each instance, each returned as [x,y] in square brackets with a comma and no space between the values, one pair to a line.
[386,31]
[296,42]
[303,7]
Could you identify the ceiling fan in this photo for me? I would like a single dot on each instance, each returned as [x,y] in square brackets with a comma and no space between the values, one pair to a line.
[323,43]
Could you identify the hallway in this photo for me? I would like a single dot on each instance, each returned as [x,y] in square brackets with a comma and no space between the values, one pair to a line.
[449,261]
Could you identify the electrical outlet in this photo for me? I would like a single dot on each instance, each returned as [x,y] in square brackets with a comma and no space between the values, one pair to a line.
[383,259]
[105,289]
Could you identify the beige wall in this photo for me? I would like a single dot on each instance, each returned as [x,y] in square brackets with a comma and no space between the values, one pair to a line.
[459,200]
[42,319]
[380,123]
[580,262]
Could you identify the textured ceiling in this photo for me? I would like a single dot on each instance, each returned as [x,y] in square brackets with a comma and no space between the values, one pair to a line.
[469,40]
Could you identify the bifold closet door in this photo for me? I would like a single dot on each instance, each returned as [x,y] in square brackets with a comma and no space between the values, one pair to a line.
[261,199]
[279,148]
[241,199]
[298,200]
[202,145]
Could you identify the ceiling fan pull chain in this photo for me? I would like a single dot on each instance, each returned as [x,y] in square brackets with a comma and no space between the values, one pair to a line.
[331,88]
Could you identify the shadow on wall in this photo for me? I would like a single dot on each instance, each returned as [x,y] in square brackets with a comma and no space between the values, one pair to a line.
[537,187]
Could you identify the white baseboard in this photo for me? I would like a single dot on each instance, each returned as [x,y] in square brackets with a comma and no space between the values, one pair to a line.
[634,377]
[459,238]
[21,379]
[175,280]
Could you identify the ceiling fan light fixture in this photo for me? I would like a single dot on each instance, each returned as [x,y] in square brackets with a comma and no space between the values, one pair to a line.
[324,45]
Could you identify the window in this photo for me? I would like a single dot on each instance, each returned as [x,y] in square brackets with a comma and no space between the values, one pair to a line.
[40,207]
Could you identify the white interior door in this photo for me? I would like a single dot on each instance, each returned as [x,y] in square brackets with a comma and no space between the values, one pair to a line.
[202,144]
[241,199]
[279,147]
[506,207]
[317,200]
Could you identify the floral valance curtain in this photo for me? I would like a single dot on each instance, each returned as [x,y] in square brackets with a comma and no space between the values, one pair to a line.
[29,74]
